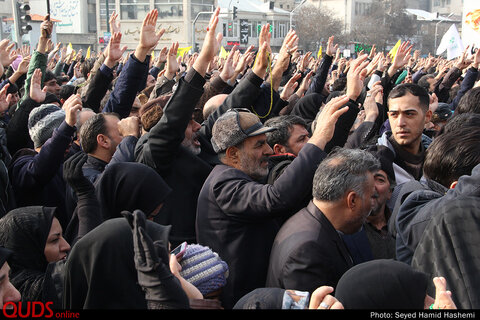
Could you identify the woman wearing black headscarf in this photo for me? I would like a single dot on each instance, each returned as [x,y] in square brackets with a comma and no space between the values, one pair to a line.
[8,293]
[130,186]
[390,284]
[39,252]
[101,271]
[122,186]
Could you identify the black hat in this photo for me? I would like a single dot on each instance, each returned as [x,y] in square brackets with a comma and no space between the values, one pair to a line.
[386,157]
[442,113]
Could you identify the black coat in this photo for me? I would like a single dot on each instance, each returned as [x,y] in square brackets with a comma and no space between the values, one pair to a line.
[307,253]
[184,171]
[237,218]
[449,245]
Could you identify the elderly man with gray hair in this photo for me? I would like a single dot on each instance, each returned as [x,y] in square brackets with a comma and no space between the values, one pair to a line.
[237,212]
[309,251]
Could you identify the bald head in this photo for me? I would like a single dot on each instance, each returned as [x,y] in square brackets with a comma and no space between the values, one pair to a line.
[212,104]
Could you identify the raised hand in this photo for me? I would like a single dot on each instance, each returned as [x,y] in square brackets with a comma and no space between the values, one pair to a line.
[210,46]
[307,80]
[36,93]
[228,69]
[356,76]
[3,99]
[23,66]
[171,67]
[463,61]
[401,57]
[71,106]
[244,60]
[290,87]
[149,37]
[476,59]
[114,23]
[262,61]
[283,60]
[373,52]
[114,52]
[370,104]
[7,55]
[331,48]
[162,56]
[326,121]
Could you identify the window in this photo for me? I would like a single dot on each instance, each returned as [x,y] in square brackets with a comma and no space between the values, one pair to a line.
[255,29]
[134,9]
[362,8]
[202,6]
[169,9]
[279,29]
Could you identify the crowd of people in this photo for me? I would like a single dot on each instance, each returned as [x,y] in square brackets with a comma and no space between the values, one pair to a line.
[286,181]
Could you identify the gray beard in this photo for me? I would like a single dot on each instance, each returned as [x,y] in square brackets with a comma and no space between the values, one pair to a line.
[191,147]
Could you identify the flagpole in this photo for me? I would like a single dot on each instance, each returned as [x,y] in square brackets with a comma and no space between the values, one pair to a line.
[436,27]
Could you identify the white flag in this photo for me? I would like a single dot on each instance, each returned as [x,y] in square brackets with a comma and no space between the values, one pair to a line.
[451,42]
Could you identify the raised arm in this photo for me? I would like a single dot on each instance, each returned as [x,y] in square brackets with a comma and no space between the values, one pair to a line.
[134,73]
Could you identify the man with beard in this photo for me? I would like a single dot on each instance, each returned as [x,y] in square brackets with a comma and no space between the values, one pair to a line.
[179,148]
[237,214]
[381,241]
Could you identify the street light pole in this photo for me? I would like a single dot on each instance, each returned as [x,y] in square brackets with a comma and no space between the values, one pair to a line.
[193,27]
[291,13]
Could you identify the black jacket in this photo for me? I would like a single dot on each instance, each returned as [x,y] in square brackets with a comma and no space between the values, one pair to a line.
[449,245]
[237,218]
[184,171]
[414,214]
[307,253]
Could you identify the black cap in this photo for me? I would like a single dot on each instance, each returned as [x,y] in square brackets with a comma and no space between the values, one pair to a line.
[386,157]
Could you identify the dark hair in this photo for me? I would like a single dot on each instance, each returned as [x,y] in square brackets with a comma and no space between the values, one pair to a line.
[49,75]
[461,120]
[423,81]
[452,154]
[470,102]
[284,125]
[87,66]
[66,91]
[414,89]
[12,88]
[339,84]
[62,79]
[95,125]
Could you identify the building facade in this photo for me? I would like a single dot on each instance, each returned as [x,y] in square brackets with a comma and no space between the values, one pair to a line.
[243,30]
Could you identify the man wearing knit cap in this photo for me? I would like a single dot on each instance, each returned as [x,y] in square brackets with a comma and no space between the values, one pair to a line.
[36,175]
[237,211]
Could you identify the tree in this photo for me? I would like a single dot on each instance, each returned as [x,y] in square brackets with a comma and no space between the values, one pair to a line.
[315,25]
[384,24]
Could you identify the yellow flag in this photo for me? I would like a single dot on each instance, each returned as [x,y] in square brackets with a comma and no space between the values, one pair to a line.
[69,48]
[319,54]
[181,51]
[87,56]
[223,53]
[153,55]
[393,52]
